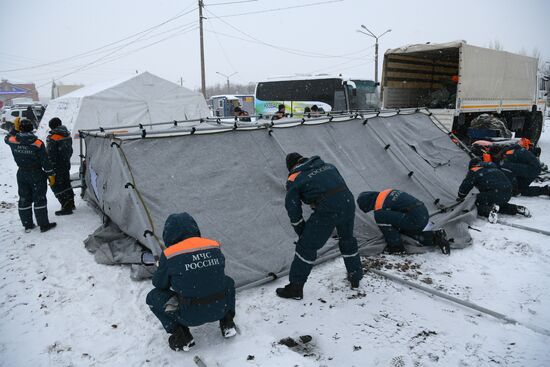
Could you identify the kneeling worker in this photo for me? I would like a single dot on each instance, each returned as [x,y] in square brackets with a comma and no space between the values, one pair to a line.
[495,189]
[319,185]
[396,213]
[191,287]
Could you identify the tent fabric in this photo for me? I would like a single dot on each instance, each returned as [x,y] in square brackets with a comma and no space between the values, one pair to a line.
[141,99]
[233,184]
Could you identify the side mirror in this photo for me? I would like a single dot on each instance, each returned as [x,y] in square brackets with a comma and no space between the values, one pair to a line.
[148,259]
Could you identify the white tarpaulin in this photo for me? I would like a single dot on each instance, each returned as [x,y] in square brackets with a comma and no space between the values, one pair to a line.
[140,99]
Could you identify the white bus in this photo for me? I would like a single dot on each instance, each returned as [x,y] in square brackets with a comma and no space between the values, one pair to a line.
[326,92]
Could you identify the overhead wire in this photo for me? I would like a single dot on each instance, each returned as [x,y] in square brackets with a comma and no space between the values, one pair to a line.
[280,48]
[279,9]
[94,51]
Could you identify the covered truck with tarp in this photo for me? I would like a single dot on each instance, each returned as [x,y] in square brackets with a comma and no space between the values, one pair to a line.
[459,82]
[231,179]
[142,98]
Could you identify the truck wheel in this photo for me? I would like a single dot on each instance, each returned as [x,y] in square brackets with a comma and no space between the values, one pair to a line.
[534,128]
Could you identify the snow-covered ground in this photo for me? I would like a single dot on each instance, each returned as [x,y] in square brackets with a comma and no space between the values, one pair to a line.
[59,308]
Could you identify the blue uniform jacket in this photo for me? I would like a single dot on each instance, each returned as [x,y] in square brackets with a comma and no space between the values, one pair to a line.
[191,265]
[29,152]
[487,178]
[60,147]
[310,182]
[521,162]
[394,200]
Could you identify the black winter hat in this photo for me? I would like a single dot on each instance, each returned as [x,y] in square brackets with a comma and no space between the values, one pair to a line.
[292,159]
[26,126]
[366,200]
[55,122]
[476,161]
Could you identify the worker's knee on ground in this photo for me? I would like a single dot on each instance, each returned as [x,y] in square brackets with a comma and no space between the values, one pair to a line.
[157,298]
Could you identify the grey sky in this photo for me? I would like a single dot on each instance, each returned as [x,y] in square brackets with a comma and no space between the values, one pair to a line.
[320,39]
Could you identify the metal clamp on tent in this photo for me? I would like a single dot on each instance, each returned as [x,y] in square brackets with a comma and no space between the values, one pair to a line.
[101,129]
[235,126]
[303,121]
[115,143]
[175,123]
[273,275]
[193,129]
[148,232]
[143,134]
[128,184]
[410,173]
[365,121]
[387,147]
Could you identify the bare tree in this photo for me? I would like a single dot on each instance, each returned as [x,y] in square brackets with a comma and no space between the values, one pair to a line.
[496,45]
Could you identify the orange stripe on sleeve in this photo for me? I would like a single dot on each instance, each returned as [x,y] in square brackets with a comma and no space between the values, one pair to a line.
[380,199]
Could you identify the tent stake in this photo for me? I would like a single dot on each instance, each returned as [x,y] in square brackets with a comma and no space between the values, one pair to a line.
[471,305]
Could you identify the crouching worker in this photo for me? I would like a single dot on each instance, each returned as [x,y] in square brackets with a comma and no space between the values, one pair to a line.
[319,185]
[396,213]
[495,189]
[191,287]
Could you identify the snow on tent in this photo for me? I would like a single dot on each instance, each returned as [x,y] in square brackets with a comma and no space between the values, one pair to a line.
[232,180]
[140,99]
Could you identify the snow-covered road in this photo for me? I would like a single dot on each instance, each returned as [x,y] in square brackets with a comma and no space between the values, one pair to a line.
[59,308]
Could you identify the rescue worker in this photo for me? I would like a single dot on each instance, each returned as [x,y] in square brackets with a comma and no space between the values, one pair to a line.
[495,190]
[34,172]
[397,212]
[281,112]
[521,167]
[191,287]
[60,149]
[319,185]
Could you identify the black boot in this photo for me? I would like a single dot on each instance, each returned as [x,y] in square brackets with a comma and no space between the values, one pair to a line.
[47,227]
[66,208]
[64,211]
[291,290]
[181,339]
[28,229]
[440,240]
[353,282]
[227,325]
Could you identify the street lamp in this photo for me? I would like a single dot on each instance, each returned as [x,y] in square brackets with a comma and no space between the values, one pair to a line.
[370,34]
[227,77]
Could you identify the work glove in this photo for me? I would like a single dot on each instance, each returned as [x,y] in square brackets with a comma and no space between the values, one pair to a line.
[51,180]
[299,227]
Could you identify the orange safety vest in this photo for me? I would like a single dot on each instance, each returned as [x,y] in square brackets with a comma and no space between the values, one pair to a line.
[190,245]
[487,157]
[380,198]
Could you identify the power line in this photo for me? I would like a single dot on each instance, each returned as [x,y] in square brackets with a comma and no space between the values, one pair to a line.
[232,2]
[289,50]
[88,66]
[280,9]
[90,52]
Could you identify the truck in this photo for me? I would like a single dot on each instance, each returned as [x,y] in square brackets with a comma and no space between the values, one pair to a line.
[459,82]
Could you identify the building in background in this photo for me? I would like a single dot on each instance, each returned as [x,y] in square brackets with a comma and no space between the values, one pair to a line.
[9,91]
[59,90]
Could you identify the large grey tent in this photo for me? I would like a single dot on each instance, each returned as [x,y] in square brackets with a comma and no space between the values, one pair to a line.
[232,180]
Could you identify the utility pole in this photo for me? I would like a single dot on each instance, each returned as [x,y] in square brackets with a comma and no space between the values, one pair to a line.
[370,34]
[203,73]
[227,77]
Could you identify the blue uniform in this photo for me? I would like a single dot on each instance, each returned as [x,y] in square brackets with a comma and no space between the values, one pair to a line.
[524,168]
[320,185]
[494,188]
[60,149]
[397,212]
[192,269]
[34,168]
